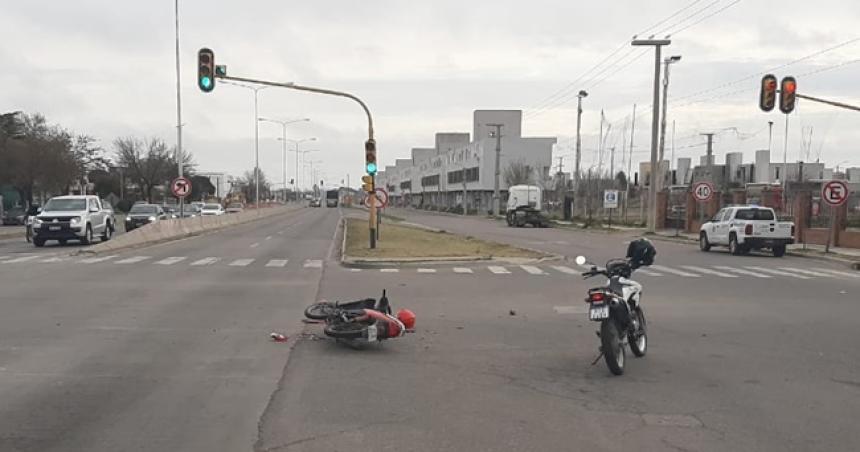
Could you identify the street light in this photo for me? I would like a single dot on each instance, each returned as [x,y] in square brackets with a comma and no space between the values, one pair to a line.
[256,90]
[582,94]
[666,62]
[284,140]
[655,122]
[297,143]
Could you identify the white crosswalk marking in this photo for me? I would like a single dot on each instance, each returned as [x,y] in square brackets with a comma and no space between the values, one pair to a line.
[205,261]
[241,262]
[94,260]
[21,259]
[133,260]
[708,271]
[355,270]
[389,270]
[277,263]
[777,272]
[674,272]
[532,270]
[254,245]
[742,271]
[566,270]
[269,237]
[647,272]
[426,270]
[170,260]
[462,270]
[55,259]
[807,272]
[313,263]
[837,272]
[3,258]
[499,270]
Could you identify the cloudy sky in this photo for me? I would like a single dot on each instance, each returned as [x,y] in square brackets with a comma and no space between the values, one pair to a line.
[106,68]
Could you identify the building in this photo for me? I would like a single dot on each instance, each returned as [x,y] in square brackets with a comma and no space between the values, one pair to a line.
[460,168]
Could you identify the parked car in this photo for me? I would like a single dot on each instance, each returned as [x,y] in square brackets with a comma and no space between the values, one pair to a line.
[745,228]
[14,216]
[235,207]
[212,209]
[72,218]
[171,211]
[316,202]
[143,214]
[190,211]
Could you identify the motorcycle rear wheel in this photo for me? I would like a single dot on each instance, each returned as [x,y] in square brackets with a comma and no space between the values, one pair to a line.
[319,311]
[346,330]
[612,347]
[639,339]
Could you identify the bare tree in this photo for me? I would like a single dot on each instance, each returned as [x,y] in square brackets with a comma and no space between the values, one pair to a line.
[518,173]
[148,163]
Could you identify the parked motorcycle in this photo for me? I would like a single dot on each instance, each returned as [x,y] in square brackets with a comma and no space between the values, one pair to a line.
[617,305]
[365,320]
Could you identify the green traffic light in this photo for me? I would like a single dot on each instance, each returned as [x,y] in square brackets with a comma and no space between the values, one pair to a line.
[206,82]
[371,168]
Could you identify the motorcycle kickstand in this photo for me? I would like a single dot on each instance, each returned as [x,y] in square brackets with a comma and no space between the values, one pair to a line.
[596,360]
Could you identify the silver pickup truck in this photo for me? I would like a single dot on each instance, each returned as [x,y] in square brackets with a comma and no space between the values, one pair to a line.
[73,218]
[745,228]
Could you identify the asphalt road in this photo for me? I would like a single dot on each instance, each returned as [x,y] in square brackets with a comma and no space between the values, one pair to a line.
[166,348]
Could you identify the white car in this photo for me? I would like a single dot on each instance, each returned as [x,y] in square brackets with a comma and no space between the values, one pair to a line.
[79,218]
[745,228]
[212,209]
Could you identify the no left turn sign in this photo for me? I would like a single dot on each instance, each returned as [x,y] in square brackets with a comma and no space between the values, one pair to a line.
[835,193]
[703,191]
[181,187]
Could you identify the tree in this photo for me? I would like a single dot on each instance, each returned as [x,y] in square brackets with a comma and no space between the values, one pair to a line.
[518,173]
[621,179]
[201,186]
[248,185]
[147,163]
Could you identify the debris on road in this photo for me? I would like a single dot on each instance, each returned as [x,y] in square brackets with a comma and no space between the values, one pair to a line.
[512,312]
[278,337]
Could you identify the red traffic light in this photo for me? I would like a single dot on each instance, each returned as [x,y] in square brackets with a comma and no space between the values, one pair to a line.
[787,95]
[767,96]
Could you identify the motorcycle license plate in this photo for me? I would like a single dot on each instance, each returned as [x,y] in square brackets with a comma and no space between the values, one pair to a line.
[598,312]
[371,333]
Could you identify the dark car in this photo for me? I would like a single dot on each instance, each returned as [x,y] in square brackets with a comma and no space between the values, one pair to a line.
[14,216]
[143,214]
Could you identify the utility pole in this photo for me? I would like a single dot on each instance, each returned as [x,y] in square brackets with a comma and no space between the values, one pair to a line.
[672,159]
[655,122]
[560,164]
[612,165]
[709,162]
[600,148]
[785,158]
[770,136]
[496,196]
[666,63]
[465,208]
[630,164]
[577,176]
[179,154]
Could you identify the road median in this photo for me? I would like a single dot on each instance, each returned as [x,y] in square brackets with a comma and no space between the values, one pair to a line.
[412,243]
[175,229]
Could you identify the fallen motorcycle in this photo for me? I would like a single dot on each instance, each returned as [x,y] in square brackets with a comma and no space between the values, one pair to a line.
[367,320]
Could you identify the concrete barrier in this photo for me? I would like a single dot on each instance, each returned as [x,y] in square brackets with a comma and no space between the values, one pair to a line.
[167,230]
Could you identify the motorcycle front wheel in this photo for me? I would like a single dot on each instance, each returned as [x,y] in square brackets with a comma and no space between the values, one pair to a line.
[319,311]
[612,346]
[639,339]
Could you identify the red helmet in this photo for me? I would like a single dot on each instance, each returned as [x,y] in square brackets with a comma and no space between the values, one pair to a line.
[407,317]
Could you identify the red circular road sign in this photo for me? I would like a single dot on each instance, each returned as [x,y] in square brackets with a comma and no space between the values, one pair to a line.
[835,193]
[703,191]
[381,197]
[181,187]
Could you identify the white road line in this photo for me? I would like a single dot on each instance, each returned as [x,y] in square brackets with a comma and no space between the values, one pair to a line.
[254,245]
[93,260]
[426,270]
[269,237]
[708,271]
[389,270]
[277,263]
[55,259]
[674,272]
[170,260]
[462,270]
[648,272]
[280,232]
[741,271]
[807,272]
[777,272]
[532,270]
[567,270]
[241,262]
[313,263]
[355,270]
[133,260]
[2,258]
[21,259]
[837,272]
[499,270]
[205,261]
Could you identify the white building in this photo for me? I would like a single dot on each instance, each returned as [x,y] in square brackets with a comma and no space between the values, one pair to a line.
[440,175]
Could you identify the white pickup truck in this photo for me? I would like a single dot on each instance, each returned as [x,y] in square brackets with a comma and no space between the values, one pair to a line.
[745,228]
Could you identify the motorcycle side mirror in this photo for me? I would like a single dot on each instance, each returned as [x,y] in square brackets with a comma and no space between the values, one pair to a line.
[581,260]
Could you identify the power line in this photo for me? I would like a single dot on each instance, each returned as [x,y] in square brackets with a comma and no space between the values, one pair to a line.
[709,16]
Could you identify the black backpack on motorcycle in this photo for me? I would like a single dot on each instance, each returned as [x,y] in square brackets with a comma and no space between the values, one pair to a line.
[641,252]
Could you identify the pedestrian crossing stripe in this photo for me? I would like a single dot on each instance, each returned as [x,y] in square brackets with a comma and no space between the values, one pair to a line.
[708,271]
[389,270]
[674,272]
[241,262]
[54,260]
[171,260]
[133,260]
[566,270]
[837,272]
[277,263]
[21,259]
[462,270]
[777,272]
[313,263]
[205,261]
[426,270]
[806,272]
[742,271]
[95,260]
[499,270]
[647,272]
[532,270]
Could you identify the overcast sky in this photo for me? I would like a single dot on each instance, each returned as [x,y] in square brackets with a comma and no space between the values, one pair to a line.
[106,68]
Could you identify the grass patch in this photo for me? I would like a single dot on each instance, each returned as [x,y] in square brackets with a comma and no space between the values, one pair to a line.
[397,241]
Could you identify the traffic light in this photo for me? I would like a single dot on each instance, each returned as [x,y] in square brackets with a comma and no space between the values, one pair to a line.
[787,95]
[370,156]
[367,183]
[767,97]
[206,70]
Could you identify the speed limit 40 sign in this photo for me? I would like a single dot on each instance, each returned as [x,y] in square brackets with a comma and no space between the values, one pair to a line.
[703,191]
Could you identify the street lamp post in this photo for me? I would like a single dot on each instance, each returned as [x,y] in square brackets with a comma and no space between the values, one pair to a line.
[655,122]
[256,90]
[283,139]
[576,176]
[666,63]
[297,143]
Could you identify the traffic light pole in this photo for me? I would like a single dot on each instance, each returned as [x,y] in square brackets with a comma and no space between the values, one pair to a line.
[329,92]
